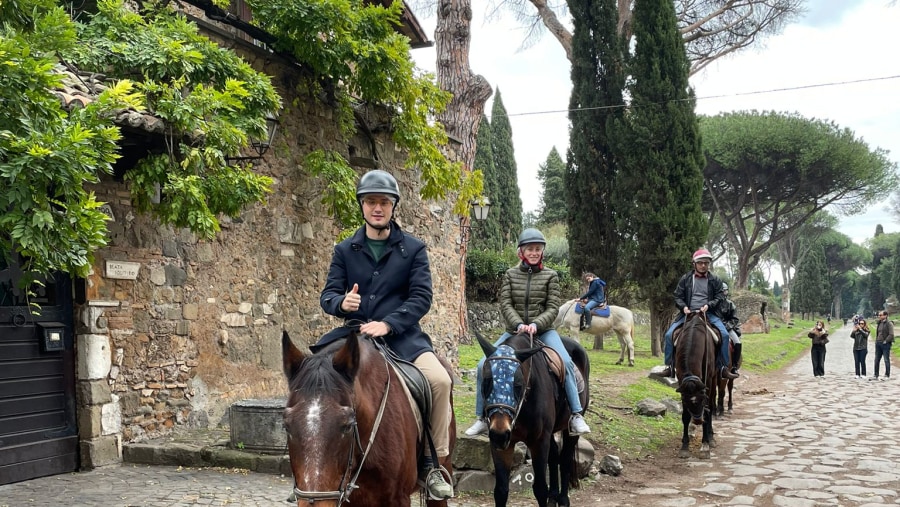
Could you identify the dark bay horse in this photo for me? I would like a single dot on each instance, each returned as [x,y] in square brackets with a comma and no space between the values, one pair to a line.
[525,402]
[726,385]
[695,367]
[352,434]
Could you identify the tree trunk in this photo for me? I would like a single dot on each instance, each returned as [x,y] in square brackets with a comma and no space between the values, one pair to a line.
[786,303]
[470,93]
[660,320]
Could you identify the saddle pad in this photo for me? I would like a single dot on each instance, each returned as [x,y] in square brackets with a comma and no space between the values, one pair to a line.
[559,369]
[413,405]
[600,311]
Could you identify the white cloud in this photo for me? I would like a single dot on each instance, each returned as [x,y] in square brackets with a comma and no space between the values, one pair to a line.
[830,45]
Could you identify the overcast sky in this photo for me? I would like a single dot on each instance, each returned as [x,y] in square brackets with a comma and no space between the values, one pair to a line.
[848,44]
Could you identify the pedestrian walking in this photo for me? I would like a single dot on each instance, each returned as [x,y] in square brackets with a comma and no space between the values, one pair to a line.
[860,335]
[884,338]
[819,336]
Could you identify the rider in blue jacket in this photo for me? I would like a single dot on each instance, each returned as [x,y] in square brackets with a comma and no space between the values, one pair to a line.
[594,297]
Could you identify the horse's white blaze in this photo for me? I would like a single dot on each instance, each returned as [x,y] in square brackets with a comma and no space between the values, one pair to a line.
[314,453]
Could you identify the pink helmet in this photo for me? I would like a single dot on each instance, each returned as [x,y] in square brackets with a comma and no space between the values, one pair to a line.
[702,254]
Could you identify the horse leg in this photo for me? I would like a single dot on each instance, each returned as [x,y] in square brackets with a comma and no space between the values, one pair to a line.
[685,451]
[568,469]
[730,389]
[720,402]
[503,459]
[540,451]
[627,342]
[555,467]
[708,439]
[621,348]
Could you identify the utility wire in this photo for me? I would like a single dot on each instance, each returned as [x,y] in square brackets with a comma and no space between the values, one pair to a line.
[740,94]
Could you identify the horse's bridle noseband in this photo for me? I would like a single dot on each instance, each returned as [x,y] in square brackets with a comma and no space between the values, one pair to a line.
[342,494]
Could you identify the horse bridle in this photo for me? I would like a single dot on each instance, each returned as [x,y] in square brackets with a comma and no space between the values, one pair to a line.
[342,494]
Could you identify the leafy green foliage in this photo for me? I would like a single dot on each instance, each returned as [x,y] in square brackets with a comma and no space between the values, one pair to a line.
[212,101]
[810,286]
[484,272]
[593,164]
[662,160]
[770,172]
[552,175]
[47,155]
[355,44]
[508,201]
[487,233]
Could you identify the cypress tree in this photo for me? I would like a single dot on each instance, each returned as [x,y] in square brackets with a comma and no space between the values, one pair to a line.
[509,202]
[810,286]
[592,165]
[487,234]
[662,178]
[552,174]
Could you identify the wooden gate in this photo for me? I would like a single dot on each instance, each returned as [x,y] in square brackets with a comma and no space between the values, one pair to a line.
[38,433]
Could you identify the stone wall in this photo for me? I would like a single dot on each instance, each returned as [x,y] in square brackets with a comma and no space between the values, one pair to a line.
[173,330]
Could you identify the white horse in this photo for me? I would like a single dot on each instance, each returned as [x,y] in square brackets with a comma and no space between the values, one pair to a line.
[620,320]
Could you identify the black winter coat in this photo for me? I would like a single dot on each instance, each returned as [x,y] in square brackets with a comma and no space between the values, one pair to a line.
[395,290]
[685,286]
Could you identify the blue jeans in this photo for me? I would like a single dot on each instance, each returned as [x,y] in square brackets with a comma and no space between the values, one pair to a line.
[721,361]
[883,350]
[590,306]
[551,339]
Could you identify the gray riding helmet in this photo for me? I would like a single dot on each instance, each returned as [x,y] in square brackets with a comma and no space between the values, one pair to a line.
[531,235]
[378,182]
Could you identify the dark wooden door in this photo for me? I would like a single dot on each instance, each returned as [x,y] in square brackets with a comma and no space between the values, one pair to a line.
[38,433]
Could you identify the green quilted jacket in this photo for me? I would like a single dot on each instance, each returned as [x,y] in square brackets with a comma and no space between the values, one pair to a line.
[529,295]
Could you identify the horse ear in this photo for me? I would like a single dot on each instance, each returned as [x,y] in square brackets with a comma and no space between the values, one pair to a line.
[524,355]
[486,347]
[346,359]
[291,356]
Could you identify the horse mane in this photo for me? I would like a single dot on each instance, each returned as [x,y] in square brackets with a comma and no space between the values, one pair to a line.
[317,374]
[687,344]
[561,313]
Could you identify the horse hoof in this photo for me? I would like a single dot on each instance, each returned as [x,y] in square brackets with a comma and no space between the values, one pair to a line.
[712,443]
[684,454]
[618,362]
[704,454]
[631,363]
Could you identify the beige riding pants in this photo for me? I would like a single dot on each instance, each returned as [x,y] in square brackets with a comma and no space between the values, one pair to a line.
[441,387]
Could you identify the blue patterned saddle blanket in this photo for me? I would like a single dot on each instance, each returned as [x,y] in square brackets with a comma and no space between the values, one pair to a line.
[600,311]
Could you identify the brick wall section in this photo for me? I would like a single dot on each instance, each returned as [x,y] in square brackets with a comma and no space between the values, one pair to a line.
[200,327]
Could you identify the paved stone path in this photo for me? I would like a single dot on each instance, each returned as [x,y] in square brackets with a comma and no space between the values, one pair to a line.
[832,440]
[828,441]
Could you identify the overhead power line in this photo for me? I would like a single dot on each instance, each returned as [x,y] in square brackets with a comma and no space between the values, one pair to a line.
[709,97]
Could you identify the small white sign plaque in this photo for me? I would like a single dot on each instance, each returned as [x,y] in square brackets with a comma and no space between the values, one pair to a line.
[122,270]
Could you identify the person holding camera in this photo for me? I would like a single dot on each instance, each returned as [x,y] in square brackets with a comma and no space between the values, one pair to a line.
[819,336]
[860,335]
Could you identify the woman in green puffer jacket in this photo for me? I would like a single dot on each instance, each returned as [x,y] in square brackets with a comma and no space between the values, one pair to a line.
[529,303]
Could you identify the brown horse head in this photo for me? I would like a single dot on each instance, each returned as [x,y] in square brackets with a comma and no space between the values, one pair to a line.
[336,447]
[505,375]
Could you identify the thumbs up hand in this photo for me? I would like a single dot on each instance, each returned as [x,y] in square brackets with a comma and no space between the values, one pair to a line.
[351,300]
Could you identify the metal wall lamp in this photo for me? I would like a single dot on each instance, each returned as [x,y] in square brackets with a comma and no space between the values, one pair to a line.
[261,146]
